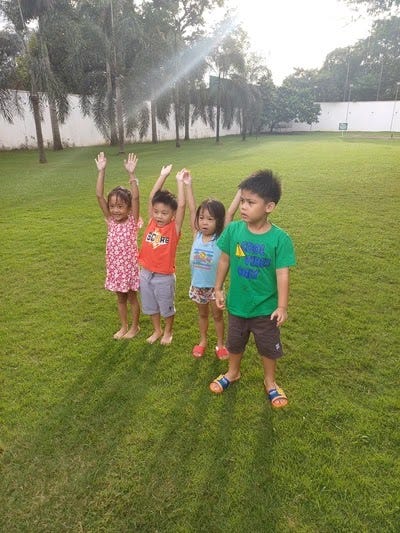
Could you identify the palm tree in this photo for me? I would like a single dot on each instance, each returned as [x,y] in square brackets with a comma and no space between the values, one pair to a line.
[183,22]
[117,80]
[108,89]
[97,85]
[10,49]
[228,59]
[41,71]
[154,64]
[193,87]
[249,94]
[14,13]
[44,11]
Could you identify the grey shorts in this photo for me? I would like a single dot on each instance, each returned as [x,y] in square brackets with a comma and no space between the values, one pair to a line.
[266,335]
[157,293]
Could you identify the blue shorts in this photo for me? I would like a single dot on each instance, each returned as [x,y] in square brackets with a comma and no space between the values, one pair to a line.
[266,335]
[157,293]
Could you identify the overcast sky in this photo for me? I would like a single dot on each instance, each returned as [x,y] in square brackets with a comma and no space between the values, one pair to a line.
[299,33]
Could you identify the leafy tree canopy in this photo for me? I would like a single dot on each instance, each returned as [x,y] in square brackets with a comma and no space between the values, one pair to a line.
[376,6]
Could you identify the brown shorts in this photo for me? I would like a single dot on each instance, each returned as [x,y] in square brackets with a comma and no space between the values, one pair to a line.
[266,335]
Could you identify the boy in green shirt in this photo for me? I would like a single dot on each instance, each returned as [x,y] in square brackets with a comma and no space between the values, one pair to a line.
[258,255]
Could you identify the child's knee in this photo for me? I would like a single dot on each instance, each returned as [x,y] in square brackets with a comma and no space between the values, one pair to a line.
[122,297]
[218,314]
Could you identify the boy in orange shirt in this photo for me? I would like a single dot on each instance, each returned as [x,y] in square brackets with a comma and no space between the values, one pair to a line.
[157,255]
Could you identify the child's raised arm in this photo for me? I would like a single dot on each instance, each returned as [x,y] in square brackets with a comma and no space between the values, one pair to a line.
[180,212]
[191,202]
[164,173]
[101,163]
[130,167]
[230,213]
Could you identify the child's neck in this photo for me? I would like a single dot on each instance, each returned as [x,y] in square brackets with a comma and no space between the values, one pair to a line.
[261,226]
[207,238]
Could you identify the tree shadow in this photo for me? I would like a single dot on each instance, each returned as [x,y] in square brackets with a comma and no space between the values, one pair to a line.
[131,435]
[241,453]
[68,453]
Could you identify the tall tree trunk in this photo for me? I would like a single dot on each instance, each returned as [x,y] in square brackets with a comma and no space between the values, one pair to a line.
[176,108]
[218,108]
[244,124]
[120,118]
[117,85]
[38,125]
[187,121]
[218,119]
[111,109]
[176,93]
[34,97]
[187,112]
[153,113]
[57,145]
[55,128]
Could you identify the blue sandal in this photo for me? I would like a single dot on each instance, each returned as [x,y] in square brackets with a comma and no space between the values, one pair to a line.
[277,394]
[220,384]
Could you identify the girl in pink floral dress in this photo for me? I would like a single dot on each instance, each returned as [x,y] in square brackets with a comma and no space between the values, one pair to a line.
[121,212]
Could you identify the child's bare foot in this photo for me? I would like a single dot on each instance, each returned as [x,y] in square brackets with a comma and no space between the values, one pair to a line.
[166,339]
[154,337]
[132,332]
[120,333]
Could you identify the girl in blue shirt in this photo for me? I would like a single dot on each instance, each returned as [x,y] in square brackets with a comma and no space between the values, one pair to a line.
[207,223]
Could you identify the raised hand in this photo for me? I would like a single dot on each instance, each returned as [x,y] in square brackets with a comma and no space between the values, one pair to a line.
[165,171]
[187,177]
[130,164]
[180,175]
[101,161]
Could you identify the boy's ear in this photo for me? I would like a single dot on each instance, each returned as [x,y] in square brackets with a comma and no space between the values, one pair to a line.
[269,207]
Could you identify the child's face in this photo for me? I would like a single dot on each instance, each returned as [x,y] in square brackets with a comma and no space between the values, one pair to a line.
[206,222]
[119,210]
[162,214]
[253,208]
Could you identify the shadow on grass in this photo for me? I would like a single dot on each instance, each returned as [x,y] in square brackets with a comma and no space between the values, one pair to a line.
[133,445]
[239,482]
[52,473]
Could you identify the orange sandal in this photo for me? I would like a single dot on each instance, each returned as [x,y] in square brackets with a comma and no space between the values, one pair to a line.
[198,351]
[221,353]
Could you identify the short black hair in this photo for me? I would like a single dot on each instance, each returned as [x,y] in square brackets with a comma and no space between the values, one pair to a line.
[122,194]
[264,183]
[216,210]
[165,197]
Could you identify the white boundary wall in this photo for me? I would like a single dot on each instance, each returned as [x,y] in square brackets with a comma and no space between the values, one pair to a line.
[79,130]
[361,116]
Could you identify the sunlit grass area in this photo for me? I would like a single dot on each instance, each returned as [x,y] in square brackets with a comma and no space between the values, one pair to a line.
[104,435]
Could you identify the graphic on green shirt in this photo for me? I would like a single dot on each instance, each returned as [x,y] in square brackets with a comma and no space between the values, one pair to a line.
[239,251]
[255,257]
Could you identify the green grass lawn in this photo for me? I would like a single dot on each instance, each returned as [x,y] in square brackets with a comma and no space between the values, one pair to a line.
[100,435]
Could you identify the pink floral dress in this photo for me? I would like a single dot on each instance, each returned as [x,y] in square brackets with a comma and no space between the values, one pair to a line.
[122,255]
